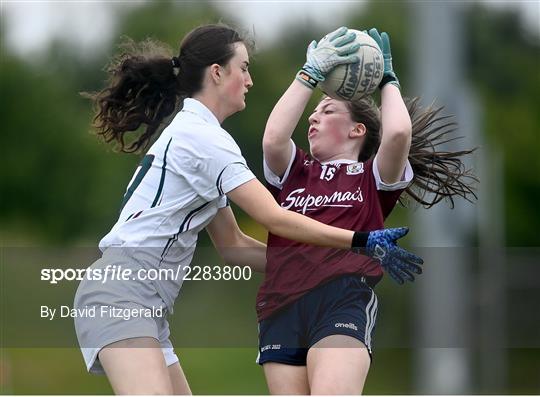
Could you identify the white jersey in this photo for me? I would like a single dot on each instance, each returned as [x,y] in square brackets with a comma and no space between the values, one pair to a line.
[175,192]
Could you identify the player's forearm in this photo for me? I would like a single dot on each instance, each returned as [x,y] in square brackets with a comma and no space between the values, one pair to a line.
[286,114]
[258,203]
[293,226]
[246,252]
[396,135]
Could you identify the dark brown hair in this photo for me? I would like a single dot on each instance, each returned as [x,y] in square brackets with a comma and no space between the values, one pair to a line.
[436,171]
[147,85]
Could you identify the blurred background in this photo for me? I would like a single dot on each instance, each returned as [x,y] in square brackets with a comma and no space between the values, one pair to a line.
[469,325]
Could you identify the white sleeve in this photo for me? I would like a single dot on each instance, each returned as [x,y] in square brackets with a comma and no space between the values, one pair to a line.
[232,176]
[272,178]
[406,178]
[223,202]
[212,164]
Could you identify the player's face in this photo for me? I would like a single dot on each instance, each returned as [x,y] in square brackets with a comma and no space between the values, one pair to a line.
[237,80]
[329,127]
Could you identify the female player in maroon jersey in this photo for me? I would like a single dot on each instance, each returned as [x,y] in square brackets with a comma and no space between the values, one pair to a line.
[362,159]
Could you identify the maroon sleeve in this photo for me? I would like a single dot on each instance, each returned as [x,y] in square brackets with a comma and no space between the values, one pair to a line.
[387,199]
[299,157]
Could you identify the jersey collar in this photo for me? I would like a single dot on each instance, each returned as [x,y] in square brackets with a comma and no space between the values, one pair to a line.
[197,107]
[340,161]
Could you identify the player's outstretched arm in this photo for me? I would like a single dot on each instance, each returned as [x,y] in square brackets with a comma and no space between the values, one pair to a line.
[258,203]
[396,126]
[235,247]
[281,124]
[333,50]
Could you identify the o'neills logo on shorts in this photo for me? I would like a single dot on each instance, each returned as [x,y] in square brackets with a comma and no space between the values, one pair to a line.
[349,325]
[297,201]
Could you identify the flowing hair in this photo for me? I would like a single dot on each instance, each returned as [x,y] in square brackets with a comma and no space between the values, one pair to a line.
[147,85]
[438,174]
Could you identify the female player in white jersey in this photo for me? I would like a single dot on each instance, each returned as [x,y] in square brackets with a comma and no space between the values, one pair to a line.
[316,307]
[181,187]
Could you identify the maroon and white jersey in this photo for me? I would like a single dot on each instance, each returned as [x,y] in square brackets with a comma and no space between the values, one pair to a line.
[341,193]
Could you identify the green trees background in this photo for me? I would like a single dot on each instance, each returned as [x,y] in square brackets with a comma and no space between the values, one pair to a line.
[60,186]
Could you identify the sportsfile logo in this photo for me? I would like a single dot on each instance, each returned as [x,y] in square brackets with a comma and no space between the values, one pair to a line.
[348,325]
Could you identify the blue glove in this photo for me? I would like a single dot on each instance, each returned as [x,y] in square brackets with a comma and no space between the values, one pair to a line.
[382,245]
[383,41]
[332,50]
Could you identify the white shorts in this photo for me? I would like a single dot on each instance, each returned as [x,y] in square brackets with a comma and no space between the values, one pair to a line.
[115,310]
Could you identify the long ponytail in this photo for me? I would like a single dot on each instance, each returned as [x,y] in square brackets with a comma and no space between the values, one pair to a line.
[436,171]
[438,174]
[142,90]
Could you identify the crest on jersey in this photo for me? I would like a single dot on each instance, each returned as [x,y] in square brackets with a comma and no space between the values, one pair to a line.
[355,169]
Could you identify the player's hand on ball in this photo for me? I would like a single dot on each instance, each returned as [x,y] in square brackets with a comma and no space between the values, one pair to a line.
[332,50]
[383,41]
[382,245]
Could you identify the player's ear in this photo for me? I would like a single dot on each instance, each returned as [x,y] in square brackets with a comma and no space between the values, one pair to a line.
[358,130]
[215,73]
